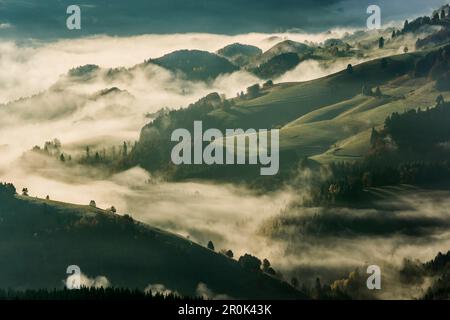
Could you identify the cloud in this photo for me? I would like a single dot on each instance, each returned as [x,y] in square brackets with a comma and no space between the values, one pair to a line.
[5,26]
[85,281]
[326,242]
[233,217]
[348,223]
[32,67]
[207,294]
[160,289]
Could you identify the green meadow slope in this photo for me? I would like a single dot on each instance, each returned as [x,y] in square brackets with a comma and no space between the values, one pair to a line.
[39,239]
[343,129]
[327,119]
[289,101]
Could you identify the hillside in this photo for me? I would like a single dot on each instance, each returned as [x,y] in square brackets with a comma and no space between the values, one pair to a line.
[315,117]
[240,54]
[195,64]
[57,103]
[287,46]
[277,66]
[41,238]
[436,269]
[290,162]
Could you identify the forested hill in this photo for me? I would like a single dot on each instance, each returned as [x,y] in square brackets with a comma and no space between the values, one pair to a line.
[284,106]
[39,239]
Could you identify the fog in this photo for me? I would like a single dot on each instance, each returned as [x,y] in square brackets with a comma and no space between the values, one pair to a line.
[83,281]
[411,223]
[53,105]
[231,216]
[31,67]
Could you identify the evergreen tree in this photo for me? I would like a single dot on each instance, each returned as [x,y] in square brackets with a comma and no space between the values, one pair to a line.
[318,289]
[374,136]
[7,190]
[366,91]
[294,282]
[381,43]
[229,254]
[435,18]
[265,265]
[250,262]
[272,272]
[125,149]
[378,92]
[440,100]
[349,69]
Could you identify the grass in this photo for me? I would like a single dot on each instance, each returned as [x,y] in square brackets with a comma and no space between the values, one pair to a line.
[288,102]
[327,118]
[40,238]
[341,132]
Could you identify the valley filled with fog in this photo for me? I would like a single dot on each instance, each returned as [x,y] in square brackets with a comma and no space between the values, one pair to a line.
[40,103]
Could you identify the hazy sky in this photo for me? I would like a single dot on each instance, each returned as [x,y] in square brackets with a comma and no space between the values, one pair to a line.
[45,19]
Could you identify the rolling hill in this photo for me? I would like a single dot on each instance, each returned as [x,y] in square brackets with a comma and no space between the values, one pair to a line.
[277,66]
[327,118]
[287,46]
[240,54]
[59,102]
[39,239]
[195,64]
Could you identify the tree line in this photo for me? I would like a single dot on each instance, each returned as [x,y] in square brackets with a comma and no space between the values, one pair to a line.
[91,293]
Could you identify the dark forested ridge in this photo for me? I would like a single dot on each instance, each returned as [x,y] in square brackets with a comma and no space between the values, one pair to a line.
[412,148]
[39,239]
[195,64]
[419,131]
[91,294]
[436,269]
